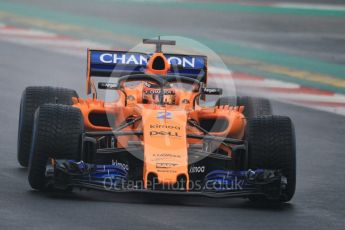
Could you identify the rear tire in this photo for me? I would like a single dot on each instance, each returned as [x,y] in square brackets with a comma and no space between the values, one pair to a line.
[32,98]
[253,106]
[271,145]
[57,134]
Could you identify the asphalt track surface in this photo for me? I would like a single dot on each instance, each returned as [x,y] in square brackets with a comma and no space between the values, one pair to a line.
[319,202]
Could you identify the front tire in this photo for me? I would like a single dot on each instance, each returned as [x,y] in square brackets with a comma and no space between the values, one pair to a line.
[32,98]
[271,145]
[56,135]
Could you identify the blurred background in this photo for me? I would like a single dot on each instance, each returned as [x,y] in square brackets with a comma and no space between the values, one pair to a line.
[295,50]
[290,51]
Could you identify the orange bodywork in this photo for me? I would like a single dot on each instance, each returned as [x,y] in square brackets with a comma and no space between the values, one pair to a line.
[164,68]
[164,140]
[164,127]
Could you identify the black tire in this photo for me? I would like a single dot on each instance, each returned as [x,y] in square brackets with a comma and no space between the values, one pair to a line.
[271,145]
[253,106]
[32,98]
[57,134]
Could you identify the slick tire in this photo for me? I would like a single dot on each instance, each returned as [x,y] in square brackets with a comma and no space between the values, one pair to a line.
[32,98]
[57,134]
[271,145]
[253,106]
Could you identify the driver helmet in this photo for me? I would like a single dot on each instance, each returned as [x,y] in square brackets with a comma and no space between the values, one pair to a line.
[152,91]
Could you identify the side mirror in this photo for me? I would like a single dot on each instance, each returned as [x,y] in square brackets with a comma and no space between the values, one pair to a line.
[211,91]
[107,85]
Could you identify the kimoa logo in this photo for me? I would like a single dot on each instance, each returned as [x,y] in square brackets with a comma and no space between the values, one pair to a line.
[123,165]
[159,126]
[140,59]
[197,169]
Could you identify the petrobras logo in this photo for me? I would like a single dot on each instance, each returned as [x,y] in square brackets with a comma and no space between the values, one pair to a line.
[140,59]
[164,115]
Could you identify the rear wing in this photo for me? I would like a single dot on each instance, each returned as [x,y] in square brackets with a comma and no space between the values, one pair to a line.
[104,63]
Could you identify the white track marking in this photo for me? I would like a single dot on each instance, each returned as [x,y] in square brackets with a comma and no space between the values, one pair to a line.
[310,6]
[24,32]
[48,41]
[332,109]
[302,97]
[267,83]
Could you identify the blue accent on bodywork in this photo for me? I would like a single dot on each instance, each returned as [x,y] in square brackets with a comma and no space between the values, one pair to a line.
[233,180]
[97,174]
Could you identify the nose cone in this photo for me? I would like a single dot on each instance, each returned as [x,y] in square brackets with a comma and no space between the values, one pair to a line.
[165,148]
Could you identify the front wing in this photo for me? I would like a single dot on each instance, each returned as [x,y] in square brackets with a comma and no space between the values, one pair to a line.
[217,183]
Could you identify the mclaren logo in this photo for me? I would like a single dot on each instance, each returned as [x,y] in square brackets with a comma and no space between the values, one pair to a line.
[164,115]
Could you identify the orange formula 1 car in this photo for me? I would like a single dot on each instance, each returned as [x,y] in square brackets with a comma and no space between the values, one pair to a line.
[156,136]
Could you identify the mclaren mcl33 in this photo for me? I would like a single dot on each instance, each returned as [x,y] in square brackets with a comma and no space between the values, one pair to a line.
[155,136]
